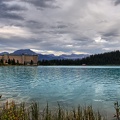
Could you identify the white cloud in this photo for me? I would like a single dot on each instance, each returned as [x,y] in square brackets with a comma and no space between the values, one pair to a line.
[99,40]
[73,25]
[13,31]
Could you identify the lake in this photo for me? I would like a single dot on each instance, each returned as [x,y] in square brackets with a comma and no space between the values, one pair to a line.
[69,85]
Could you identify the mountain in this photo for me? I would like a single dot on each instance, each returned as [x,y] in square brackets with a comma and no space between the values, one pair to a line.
[24,51]
[49,57]
[109,58]
[46,57]
[74,56]
[61,57]
[4,53]
[40,56]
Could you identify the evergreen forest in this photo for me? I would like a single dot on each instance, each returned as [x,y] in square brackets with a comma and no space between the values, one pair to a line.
[108,58]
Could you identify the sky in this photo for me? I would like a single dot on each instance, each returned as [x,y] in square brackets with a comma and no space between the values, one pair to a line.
[60,26]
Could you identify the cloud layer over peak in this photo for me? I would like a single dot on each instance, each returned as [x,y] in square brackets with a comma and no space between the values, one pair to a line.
[69,26]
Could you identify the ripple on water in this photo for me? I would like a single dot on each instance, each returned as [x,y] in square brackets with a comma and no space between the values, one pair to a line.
[72,85]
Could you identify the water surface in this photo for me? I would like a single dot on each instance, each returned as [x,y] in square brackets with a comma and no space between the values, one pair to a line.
[70,85]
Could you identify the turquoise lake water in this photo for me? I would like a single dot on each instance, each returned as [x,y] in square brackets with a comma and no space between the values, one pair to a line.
[69,85]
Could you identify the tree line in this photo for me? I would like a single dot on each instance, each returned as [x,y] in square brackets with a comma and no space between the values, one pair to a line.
[13,62]
[108,58]
[9,62]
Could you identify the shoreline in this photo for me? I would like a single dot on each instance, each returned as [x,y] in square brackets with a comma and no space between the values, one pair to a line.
[105,115]
[59,65]
[108,113]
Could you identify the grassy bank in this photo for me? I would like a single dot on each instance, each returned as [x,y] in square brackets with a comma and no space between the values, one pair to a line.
[12,111]
[23,111]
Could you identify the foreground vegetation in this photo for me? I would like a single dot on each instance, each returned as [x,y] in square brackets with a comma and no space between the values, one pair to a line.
[12,111]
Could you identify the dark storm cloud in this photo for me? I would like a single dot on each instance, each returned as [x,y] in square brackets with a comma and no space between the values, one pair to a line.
[41,27]
[20,42]
[4,7]
[82,39]
[61,28]
[117,2]
[34,25]
[111,34]
[60,25]
[30,43]
[6,11]
[42,3]
[8,15]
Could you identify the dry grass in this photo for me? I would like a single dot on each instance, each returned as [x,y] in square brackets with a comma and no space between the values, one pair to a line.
[12,111]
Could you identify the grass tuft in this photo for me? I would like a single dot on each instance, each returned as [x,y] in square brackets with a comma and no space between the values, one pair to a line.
[13,111]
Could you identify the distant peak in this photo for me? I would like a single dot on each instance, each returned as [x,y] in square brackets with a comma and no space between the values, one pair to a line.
[24,51]
[4,53]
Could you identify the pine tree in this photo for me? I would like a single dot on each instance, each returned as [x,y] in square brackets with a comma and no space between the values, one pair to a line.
[31,62]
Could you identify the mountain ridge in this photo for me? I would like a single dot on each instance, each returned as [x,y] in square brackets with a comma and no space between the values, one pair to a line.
[48,56]
[106,59]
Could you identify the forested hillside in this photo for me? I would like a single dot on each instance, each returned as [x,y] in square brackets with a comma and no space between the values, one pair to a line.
[109,58]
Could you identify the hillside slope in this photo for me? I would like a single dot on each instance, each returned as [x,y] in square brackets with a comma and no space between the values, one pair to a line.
[109,58]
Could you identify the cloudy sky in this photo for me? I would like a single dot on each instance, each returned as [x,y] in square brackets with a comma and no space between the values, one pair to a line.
[60,26]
